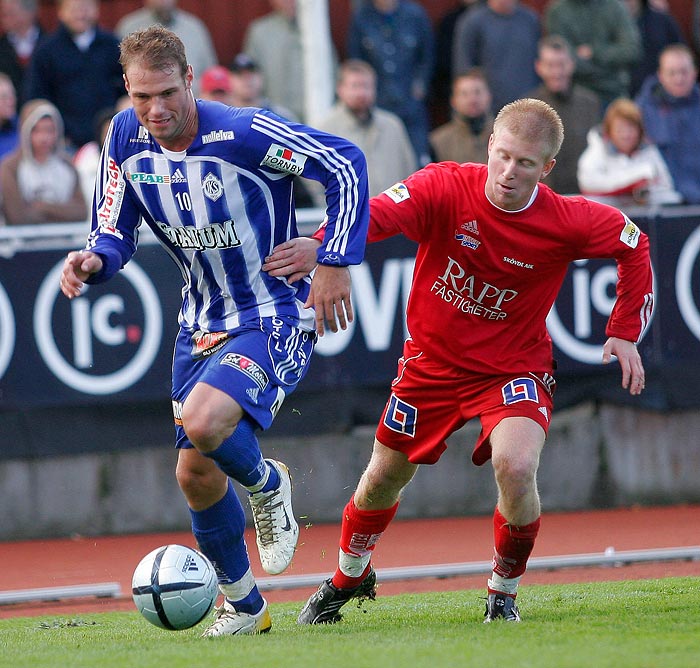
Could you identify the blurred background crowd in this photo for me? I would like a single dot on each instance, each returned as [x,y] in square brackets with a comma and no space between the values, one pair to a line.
[415,82]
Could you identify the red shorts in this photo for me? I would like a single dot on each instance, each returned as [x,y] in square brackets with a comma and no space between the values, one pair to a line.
[430,401]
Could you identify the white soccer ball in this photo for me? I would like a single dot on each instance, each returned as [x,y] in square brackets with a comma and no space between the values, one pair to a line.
[174,587]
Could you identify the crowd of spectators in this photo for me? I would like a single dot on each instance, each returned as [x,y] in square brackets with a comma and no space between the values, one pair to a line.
[410,92]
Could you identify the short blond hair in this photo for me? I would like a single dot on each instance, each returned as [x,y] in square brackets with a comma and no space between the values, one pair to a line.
[533,121]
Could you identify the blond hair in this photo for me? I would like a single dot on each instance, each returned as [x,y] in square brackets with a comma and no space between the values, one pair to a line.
[532,121]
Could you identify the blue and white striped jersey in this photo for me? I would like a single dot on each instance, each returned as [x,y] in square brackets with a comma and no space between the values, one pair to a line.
[222,205]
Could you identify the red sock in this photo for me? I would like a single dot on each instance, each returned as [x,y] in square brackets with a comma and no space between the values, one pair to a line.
[359,534]
[513,545]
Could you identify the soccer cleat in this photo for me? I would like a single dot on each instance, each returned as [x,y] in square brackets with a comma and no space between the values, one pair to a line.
[501,606]
[229,622]
[276,529]
[324,606]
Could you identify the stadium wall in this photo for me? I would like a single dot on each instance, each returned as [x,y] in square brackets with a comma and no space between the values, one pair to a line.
[597,456]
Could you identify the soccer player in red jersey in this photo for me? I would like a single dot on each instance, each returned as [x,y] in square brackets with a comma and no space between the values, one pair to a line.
[494,245]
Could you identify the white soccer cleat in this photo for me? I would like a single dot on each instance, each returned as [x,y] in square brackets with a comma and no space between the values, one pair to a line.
[276,529]
[230,622]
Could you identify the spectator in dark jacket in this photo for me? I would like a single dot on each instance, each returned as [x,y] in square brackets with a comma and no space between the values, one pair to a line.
[670,103]
[21,33]
[657,30]
[396,38]
[77,68]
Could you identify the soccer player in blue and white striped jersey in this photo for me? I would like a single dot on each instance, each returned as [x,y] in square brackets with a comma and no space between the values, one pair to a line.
[214,183]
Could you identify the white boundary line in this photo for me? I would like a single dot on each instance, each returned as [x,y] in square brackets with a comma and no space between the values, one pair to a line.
[609,558]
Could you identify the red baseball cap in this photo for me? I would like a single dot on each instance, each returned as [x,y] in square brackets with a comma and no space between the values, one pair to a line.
[216,78]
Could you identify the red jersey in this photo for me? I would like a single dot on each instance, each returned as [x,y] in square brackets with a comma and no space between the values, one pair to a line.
[485,279]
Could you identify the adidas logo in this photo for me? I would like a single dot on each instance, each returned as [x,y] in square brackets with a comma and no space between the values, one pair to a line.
[190,564]
[543,410]
[252,392]
[177,177]
[471,226]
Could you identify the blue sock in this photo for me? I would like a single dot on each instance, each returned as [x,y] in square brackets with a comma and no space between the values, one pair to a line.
[239,457]
[218,531]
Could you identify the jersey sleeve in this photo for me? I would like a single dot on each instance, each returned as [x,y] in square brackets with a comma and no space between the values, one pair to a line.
[338,164]
[408,206]
[613,234]
[115,216]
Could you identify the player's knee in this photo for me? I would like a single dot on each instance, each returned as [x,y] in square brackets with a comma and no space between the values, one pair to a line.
[516,474]
[202,428]
[201,486]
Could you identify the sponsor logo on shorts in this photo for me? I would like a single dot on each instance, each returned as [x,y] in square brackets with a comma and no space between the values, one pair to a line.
[284,159]
[248,367]
[630,233]
[401,416]
[520,389]
[207,343]
[177,412]
[398,192]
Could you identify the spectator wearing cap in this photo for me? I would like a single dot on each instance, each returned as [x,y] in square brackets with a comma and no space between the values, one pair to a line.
[248,83]
[215,84]
[188,27]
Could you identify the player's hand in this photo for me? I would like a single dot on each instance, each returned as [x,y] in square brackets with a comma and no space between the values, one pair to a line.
[77,266]
[630,363]
[330,297]
[293,259]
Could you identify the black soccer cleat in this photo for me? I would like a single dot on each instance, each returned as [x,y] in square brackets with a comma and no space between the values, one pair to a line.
[501,606]
[324,606]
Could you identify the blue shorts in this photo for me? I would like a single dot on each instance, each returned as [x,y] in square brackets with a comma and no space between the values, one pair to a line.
[257,366]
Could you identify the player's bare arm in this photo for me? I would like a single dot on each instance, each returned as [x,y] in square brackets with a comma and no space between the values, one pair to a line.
[630,363]
[293,259]
[77,267]
[330,298]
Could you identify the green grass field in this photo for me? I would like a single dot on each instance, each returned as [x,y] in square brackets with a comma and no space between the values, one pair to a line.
[633,624]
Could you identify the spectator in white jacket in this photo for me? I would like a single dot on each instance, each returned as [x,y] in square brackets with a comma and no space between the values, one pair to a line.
[620,165]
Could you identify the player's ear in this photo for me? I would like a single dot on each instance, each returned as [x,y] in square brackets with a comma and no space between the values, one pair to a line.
[126,82]
[548,167]
[189,77]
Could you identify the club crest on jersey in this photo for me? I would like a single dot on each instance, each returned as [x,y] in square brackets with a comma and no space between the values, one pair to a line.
[284,159]
[212,187]
[246,366]
[398,193]
[630,233]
